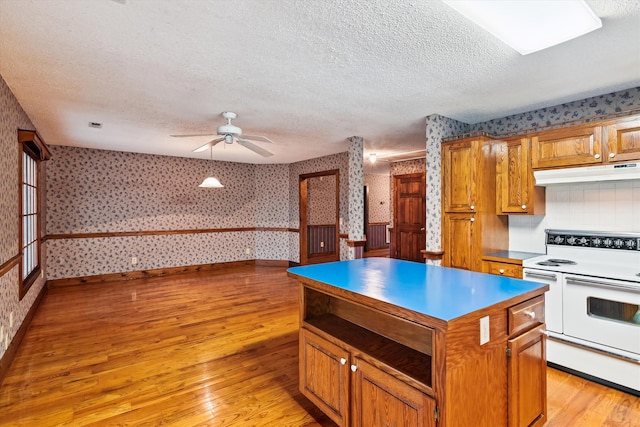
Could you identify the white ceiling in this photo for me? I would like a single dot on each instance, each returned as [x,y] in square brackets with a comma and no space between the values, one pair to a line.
[306,73]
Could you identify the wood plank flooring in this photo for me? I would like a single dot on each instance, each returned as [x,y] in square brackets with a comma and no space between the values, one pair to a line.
[214,348]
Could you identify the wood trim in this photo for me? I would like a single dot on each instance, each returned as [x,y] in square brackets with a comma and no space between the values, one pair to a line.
[34,138]
[435,255]
[379,223]
[356,243]
[9,355]
[8,266]
[161,232]
[344,235]
[158,272]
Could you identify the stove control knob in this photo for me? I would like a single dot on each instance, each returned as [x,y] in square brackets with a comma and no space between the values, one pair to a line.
[612,155]
[596,156]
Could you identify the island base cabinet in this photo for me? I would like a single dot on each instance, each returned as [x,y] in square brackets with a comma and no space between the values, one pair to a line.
[324,376]
[526,378]
[381,400]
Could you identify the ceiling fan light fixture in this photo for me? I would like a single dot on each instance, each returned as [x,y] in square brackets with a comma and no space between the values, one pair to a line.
[228,139]
[211,182]
[372,158]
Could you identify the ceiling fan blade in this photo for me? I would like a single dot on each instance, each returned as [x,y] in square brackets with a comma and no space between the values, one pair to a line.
[193,134]
[254,148]
[258,138]
[207,145]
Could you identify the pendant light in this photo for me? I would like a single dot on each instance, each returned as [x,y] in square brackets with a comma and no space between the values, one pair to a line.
[211,182]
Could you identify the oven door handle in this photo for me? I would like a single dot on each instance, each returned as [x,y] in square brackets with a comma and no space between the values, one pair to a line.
[596,283]
[543,275]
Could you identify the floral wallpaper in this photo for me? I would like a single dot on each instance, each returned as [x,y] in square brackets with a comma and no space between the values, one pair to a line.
[12,118]
[356,194]
[611,103]
[321,200]
[379,188]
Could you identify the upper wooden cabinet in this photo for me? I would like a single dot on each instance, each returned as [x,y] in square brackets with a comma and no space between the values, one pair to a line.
[623,141]
[515,189]
[574,146]
[460,160]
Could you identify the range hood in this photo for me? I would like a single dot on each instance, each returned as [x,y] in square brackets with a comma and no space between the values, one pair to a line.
[588,174]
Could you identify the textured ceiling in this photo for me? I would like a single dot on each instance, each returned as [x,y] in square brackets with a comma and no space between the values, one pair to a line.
[306,73]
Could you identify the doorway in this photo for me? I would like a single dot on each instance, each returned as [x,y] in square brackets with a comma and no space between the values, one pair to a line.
[409,216]
[319,217]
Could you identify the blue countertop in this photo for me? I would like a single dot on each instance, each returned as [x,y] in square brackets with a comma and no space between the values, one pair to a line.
[439,292]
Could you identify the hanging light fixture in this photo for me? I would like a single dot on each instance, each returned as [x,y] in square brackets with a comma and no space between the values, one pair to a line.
[211,182]
[373,157]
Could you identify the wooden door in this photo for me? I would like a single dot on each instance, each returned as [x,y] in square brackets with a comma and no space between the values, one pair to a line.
[381,400]
[459,177]
[567,147]
[458,241]
[324,376]
[527,379]
[624,141]
[409,216]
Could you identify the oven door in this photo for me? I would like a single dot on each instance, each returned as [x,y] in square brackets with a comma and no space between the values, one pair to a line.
[603,311]
[552,298]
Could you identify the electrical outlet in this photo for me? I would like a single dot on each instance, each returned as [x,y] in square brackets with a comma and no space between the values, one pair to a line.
[322,244]
[484,330]
[11,320]
[134,260]
[247,251]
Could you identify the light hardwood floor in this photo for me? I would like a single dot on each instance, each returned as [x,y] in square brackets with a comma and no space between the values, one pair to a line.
[215,348]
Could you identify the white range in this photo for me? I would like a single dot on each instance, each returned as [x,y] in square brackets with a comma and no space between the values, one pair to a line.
[592,307]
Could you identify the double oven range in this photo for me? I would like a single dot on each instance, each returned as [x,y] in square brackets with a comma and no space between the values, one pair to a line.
[592,307]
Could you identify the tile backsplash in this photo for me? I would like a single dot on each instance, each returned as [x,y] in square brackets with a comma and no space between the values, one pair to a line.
[597,206]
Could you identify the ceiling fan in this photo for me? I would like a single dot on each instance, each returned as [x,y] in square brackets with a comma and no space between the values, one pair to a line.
[230,133]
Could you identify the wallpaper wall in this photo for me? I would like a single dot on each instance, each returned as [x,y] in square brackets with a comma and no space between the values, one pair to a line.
[321,200]
[356,194]
[338,161]
[12,118]
[379,188]
[91,191]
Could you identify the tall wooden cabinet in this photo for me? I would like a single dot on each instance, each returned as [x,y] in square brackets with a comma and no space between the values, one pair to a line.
[471,225]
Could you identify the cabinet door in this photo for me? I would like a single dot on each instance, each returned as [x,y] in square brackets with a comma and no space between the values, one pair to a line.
[324,376]
[527,379]
[516,193]
[458,241]
[567,147]
[624,141]
[381,400]
[459,176]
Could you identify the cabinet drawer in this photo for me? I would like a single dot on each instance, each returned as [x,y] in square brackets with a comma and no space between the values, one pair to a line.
[526,315]
[502,269]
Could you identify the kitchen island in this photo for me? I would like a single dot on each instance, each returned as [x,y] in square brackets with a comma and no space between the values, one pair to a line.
[392,342]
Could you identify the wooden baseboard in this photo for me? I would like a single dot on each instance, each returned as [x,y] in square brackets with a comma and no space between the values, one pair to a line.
[159,272]
[9,355]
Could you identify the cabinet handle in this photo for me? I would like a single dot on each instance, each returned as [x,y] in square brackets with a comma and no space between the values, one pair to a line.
[472,207]
[612,155]
[531,314]
[354,368]
[472,219]
[524,207]
[596,156]
[501,271]
[343,361]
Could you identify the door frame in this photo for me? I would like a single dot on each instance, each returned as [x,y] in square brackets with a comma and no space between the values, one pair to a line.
[303,182]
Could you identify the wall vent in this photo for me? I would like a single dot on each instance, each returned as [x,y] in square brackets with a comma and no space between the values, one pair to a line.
[95,125]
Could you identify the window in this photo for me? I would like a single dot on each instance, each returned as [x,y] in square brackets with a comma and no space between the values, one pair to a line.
[33,152]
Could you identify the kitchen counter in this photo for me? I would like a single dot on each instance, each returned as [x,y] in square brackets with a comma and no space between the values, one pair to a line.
[513,257]
[382,338]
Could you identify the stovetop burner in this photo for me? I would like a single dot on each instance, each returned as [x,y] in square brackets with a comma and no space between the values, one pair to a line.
[556,262]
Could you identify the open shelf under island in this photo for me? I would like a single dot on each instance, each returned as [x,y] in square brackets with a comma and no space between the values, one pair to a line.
[390,342]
